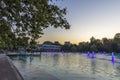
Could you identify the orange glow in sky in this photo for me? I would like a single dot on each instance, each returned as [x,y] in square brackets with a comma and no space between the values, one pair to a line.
[98,18]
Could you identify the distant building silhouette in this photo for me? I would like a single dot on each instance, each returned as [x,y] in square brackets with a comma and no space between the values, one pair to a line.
[49,46]
[67,43]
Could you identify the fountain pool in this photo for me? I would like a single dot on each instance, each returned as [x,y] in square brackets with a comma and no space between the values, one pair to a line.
[70,66]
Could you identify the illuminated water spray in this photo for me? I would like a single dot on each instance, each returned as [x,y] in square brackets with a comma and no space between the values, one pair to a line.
[62,52]
[104,53]
[112,57]
[88,54]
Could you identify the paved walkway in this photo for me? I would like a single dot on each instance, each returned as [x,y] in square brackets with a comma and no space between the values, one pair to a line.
[7,70]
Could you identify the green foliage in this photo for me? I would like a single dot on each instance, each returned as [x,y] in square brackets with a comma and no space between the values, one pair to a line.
[74,48]
[83,46]
[66,48]
[97,45]
[25,20]
[93,48]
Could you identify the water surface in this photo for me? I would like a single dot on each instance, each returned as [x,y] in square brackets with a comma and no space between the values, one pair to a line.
[68,66]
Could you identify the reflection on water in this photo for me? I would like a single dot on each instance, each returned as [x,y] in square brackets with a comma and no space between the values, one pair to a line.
[24,58]
[68,66]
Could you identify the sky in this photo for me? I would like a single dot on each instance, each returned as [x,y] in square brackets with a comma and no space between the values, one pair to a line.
[98,18]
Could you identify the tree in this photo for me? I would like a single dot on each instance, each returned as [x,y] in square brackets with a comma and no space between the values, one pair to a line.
[28,18]
[116,43]
[107,44]
[114,46]
[48,42]
[118,48]
[66,48]
[57,43]
[74,48]
[93,48]
[99,44]
[117,36]
[83,46]
[92,40]
[94,44]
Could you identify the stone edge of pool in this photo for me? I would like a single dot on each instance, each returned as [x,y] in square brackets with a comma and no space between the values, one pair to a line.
[7,70]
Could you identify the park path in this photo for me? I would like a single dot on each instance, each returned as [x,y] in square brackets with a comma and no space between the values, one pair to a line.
[7,70]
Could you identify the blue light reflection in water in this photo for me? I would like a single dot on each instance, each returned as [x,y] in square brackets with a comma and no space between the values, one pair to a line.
[71,66]
[112,57]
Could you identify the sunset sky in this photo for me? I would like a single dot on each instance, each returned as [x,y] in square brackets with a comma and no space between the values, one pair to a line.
[98,18]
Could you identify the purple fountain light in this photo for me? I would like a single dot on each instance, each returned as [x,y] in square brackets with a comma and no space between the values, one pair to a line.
[112,57]
[62,52]
[101,53]
[88,54]
[52,52]
[104,53]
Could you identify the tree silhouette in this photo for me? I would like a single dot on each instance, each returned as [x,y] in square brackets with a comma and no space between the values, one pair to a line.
[28,18]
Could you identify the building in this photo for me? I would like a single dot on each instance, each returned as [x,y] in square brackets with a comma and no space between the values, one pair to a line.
[67,43]
[49,47]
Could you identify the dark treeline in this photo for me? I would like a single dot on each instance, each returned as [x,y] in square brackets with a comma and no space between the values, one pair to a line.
[96,45]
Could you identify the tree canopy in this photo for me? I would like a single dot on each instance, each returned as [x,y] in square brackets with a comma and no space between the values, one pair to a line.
[25,20]
[96,45]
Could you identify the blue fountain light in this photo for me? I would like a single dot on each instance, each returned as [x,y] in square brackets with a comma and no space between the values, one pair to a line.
[104,53]
[112,57]
[88,54]
[62,52]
